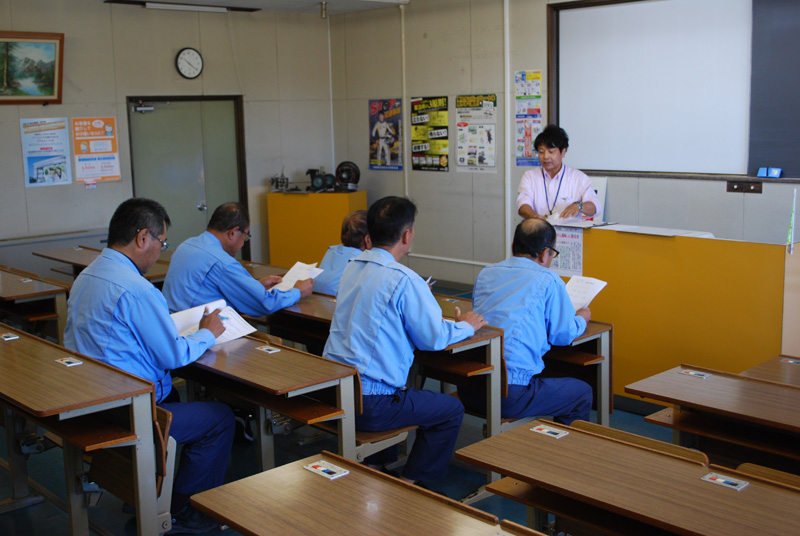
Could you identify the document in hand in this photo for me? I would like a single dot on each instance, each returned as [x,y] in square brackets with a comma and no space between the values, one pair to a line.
[582,290]
[298,272]
[188,321]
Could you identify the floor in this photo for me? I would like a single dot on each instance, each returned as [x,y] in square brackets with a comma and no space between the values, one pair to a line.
[47,469]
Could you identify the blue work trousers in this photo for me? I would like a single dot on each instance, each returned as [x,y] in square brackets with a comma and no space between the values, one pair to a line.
[438,417]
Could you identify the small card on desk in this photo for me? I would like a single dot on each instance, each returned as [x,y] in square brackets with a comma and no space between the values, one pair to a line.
[326,469]
[791,361]
[69,361]
[549,430]
[268,349]
[728,482]
[9,336]
[696,373]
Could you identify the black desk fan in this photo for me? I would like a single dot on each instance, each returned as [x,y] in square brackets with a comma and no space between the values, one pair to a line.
[347,176]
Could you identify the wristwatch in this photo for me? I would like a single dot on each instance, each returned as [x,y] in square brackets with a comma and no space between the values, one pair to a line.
[580,205]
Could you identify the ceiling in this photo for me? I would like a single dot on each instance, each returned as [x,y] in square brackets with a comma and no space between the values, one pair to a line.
[333,7]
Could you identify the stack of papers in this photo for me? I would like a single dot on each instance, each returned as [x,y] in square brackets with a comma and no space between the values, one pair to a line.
[299,272]
[188,321]
[582,290]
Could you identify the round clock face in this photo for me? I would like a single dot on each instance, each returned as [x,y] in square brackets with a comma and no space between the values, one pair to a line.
[189,63]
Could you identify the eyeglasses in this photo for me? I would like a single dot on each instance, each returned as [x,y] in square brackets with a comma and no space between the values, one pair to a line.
[247,235]
[164,244]
[555,252]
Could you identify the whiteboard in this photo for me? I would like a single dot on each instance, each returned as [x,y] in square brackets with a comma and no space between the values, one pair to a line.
[658,85]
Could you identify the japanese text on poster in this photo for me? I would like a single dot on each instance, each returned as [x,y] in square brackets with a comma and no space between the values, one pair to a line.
[476,130]
[385,134]
[45,152]
[95,143]
[569,242]
[527,115]
[429,134]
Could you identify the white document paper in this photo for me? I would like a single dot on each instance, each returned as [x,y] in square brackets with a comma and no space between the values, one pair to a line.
[298,272]
[188,321]
[582,290]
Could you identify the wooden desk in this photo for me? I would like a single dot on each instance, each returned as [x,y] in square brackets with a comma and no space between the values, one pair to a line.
[642,484]
[33,386]
[293,500]
[776,370]
[279,382]
[597,339]
[82,256]
[740,411]
[30,298]
[259,270]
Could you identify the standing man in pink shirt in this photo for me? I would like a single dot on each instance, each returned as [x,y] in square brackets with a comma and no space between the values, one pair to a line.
[555,189]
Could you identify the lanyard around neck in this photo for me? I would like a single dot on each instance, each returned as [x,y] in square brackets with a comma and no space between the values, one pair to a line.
[546,197]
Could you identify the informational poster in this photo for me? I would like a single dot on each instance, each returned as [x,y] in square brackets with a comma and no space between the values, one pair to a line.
[527,115]
[569,243]
[96,153]
[45,152]
[429,134]
[476,130]
[385,134]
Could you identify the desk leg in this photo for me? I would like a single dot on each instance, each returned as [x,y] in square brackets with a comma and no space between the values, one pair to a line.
[76,502]
[347,424]
[265,441]
[61,311]
[604,381]
[21,495]
[144,465]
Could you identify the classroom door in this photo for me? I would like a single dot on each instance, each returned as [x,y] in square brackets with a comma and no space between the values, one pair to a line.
[184,154]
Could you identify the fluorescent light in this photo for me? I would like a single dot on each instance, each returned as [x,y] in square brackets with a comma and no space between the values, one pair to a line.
[185,7]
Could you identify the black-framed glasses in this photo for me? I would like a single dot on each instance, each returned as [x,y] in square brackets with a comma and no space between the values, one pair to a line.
[247,235]
[164,244]
[555,252]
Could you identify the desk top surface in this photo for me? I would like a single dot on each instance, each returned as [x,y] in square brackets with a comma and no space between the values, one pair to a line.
[732,395]
[642,484]
[292,500]
[82,256]
[278,373]
[259,270]
[32,379]
[777,369]
[14,286]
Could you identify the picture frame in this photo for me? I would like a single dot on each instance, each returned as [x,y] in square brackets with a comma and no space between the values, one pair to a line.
[31,67]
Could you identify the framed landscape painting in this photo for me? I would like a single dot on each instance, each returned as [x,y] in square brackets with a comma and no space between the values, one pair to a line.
[31,67]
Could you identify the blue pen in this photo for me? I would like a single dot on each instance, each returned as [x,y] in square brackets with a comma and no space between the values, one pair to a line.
[222,317]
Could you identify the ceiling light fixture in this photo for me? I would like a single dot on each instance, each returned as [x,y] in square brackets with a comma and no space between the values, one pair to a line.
[185,7]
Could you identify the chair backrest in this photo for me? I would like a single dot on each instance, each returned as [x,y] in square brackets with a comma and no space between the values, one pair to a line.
[767,473]
[161,437]
[645,442]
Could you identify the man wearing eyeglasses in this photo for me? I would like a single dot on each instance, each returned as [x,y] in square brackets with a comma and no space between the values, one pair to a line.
[117,316]
[530,303]
[203,269]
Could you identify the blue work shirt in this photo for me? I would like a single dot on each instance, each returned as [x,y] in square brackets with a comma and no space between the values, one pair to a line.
[201,272]
[117,316]
[334,261]
[383,312]
[530,303]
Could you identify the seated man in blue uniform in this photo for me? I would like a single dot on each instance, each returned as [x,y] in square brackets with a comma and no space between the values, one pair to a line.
[383,312]
[117,316]
[203,269]
[530,303]
[355,239]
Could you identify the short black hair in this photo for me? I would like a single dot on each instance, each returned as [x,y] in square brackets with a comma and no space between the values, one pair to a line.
[354,229]
[551,137]
[229,216]
[532,236]
[388,218]
[132,216]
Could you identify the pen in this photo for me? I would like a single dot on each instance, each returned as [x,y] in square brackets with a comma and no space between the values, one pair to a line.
[222,317]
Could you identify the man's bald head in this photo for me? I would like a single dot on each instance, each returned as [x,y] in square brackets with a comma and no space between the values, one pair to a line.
[533,236]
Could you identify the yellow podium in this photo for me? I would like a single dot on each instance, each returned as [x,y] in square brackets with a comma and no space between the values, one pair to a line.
[303,225]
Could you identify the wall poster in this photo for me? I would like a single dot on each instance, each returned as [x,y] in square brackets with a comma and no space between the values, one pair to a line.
[476,131]
[429,134]
[45,152]
[385,134]
[96,154]
[527,115]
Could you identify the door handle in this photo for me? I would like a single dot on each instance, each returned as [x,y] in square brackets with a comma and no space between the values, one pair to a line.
[202,207]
